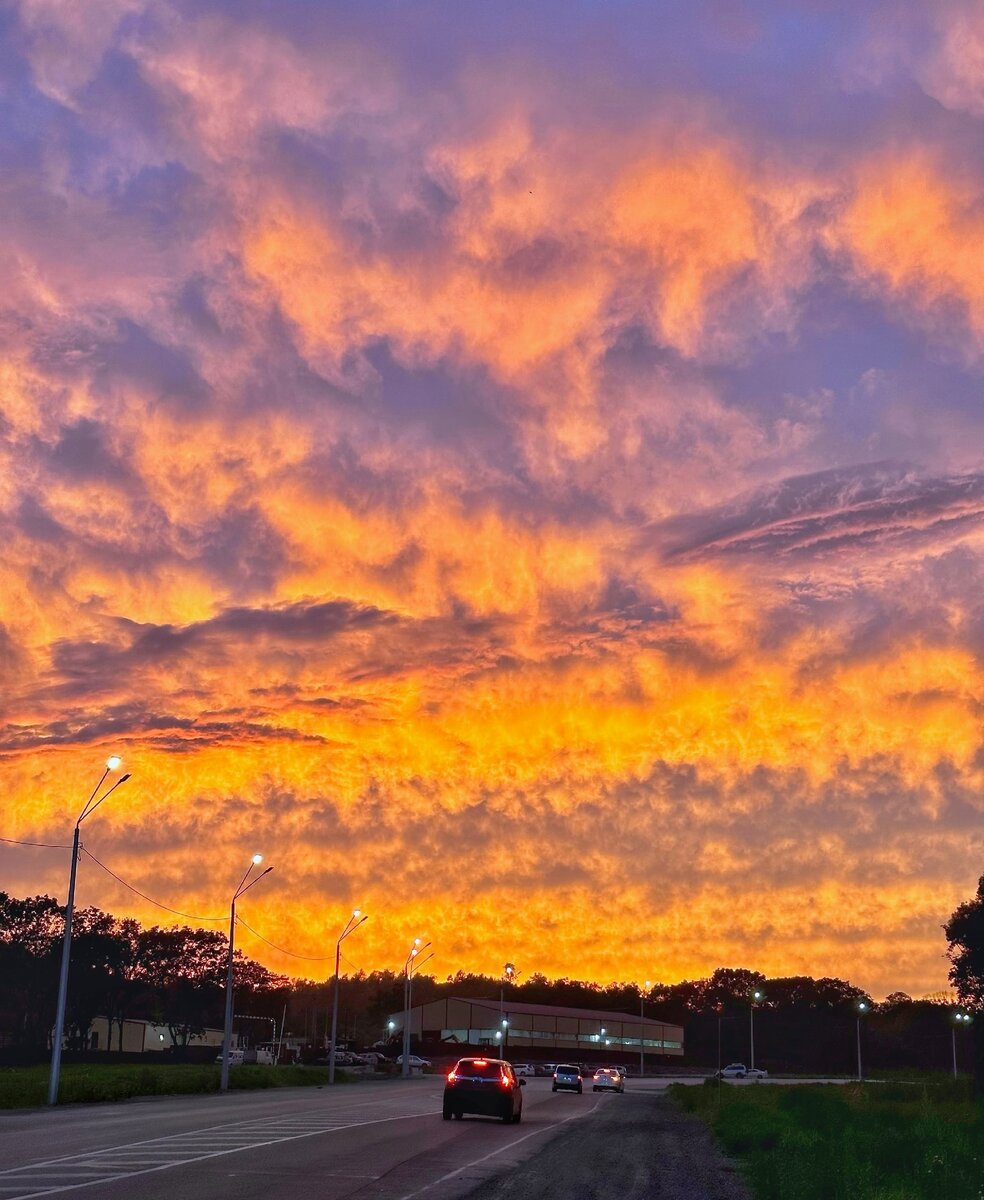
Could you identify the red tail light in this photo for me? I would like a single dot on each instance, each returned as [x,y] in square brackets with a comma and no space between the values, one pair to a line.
[504,1080]
[452,1078]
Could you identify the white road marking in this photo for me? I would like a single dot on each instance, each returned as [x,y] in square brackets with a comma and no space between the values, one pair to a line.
[42,1178]
[485,1157]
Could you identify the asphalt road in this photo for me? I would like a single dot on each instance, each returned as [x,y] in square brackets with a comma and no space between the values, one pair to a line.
[366,1141]
[384,1141]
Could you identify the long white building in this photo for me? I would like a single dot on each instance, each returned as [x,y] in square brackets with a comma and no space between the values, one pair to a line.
[458,1021]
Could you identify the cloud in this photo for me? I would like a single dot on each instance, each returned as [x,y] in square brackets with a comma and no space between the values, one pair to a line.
[537,439]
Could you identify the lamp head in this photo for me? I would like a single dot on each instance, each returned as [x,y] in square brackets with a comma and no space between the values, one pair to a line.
[257,859]
[114,762]
[356,912]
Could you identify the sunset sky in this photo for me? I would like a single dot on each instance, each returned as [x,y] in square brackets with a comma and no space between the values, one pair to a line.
[518,465]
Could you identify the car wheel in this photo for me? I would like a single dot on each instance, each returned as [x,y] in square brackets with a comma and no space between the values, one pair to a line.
[446,1114]
[518,1117]
[458,1116]
[554,1088]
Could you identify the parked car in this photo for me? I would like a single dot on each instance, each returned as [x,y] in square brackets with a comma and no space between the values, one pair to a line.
[756,1073]
[567,1077]
[486,1086]
[546,1069]
[524,1069]
[607,1079]
[415,1062]
[733,1071]
[236,1058]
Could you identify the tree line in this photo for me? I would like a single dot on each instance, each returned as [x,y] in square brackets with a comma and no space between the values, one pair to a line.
[175,977]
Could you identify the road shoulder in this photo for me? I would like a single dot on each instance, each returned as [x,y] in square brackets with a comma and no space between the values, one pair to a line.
[639,1147]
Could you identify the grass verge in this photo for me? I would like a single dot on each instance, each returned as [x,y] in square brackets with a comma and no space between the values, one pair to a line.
[27,1087]
[881,1141]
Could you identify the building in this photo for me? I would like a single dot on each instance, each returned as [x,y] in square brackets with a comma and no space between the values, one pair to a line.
[141,1036]
[531,1030]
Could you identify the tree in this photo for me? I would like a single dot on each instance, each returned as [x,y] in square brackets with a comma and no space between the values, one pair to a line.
[965,948]
[31,931]
[186,969]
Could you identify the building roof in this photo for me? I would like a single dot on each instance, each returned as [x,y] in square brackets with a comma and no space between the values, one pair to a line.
[557,1010]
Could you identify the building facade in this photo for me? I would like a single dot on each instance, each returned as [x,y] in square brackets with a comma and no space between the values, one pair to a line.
[142,1036]
[461,1022]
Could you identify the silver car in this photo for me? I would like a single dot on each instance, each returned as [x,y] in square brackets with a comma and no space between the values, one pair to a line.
[607,1079]
[568,1078]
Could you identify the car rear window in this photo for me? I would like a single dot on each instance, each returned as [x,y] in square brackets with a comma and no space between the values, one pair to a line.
[566,1069]
[482,1067]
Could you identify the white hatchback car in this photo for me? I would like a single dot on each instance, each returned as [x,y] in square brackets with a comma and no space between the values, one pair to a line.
[607,1079]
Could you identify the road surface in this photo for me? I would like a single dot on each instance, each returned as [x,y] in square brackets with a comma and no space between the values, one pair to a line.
[367,1141]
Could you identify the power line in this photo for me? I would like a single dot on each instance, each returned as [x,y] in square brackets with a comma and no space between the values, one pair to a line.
[144,896]
[43,845]
[273,945]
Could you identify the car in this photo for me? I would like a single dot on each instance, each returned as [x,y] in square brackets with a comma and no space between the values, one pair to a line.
[372,1058]
[488,1087]
[567,1077]
[607,1079]
[756,1073]
[546,1069]
[415,1062]
[733,1071]
[524,1069]
[236,1058]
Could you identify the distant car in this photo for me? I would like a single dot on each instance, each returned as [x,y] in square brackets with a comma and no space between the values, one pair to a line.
[415,1062]
[756,1073]
[607,1079]
[524,1069]
[545,1068]
[373,1058]
[733,1071]
[236,1058]
[486,1086]
[567,1077]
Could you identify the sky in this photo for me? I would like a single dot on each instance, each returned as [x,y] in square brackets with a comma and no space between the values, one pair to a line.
[518,466]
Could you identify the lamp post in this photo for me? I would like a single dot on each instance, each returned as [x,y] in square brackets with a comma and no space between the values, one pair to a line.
[861,1009]
[413,960]
[244,886]
[113,763]
[642,1031]
[755,997]
[508,974]
[351,925]
[960,1018]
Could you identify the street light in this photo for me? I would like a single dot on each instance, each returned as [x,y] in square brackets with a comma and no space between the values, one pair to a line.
[413,962]
[960,1018]
[861,1008]
[642,1031]
[508,975]
[244,886]
[755,997]
[113,763]
[351,925]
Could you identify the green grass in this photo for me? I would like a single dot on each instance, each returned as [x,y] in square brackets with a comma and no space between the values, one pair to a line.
[881,1141]
[27,1087]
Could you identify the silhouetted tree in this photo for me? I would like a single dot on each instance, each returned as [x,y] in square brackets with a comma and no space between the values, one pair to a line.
[965,948]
